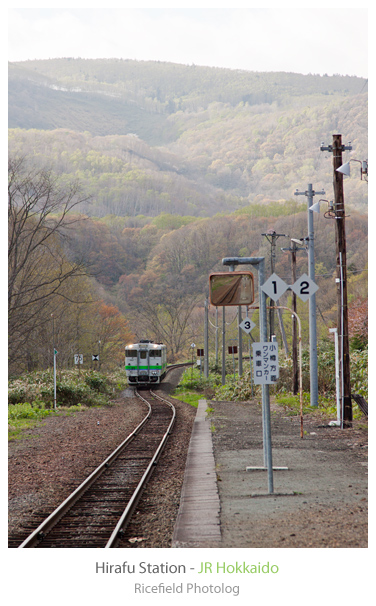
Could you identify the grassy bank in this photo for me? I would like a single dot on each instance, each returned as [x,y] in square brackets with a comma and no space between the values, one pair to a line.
[31,396]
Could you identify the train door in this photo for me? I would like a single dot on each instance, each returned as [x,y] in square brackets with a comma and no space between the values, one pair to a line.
[143,365]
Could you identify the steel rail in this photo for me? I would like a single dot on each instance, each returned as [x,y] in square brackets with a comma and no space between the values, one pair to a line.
[60,511]
[128,511]
[42,530]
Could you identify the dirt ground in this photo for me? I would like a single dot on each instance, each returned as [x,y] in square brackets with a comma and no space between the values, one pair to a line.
[319,501]
[56,455]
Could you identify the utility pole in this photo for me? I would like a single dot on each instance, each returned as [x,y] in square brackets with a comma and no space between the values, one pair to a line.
[341,280]
[295,371]
[314,391]
[272,237]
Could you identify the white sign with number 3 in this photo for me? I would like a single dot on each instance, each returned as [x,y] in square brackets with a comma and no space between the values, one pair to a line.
[247,325]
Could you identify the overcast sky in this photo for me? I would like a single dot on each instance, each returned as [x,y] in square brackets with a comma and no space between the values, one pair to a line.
[308,40]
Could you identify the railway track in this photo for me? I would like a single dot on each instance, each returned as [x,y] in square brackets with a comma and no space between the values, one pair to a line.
[96,514]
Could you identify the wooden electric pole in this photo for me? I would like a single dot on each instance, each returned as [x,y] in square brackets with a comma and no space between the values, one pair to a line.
[272,237]
[341,279]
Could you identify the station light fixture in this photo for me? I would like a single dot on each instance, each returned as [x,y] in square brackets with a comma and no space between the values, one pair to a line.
[345,168]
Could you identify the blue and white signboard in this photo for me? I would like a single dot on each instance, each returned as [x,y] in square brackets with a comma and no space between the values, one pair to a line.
[265,362]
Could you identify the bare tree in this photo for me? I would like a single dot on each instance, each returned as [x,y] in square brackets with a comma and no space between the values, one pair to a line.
[38,270]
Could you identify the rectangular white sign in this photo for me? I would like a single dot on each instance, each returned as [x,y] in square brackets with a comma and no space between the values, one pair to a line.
[265,362]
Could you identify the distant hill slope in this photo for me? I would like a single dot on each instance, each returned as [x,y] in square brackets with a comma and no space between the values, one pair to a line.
[42,105]
[207,139]
[120,96]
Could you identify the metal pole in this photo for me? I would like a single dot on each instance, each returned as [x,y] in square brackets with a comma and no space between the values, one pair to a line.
[314,392]
[338,398]
[223,346]
[216,338]
[192,367]
[294,347]
[55,352]
[240,340]
[265,388]
[260,263]
[54,379]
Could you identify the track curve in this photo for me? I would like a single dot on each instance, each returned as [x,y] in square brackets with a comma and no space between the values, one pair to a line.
[97,512]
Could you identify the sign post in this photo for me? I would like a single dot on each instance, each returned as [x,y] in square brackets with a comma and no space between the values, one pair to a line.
[193,345]
[233,350]
[55,354]
[259,262]
[200,353]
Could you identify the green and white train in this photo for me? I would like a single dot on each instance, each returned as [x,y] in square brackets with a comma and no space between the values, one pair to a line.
[145,362]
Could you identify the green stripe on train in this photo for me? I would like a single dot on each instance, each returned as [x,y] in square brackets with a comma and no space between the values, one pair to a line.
[145,367]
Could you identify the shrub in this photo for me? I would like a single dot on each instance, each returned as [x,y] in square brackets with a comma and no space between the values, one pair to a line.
[192,379]
[359,372]
[25,410]
[240,389]
[88,388]
[96,382]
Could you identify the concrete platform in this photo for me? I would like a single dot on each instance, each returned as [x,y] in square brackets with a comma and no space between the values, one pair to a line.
[198,519]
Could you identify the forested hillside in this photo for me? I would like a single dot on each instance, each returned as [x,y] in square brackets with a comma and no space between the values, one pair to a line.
[174,167]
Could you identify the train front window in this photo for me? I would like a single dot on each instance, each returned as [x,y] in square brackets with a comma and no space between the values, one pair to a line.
[131,353]
[143,355]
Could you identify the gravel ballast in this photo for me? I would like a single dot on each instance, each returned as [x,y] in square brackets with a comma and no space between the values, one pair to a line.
[54,457]
[321,501]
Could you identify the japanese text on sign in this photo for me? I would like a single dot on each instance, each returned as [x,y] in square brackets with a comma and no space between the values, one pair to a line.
[265,363]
